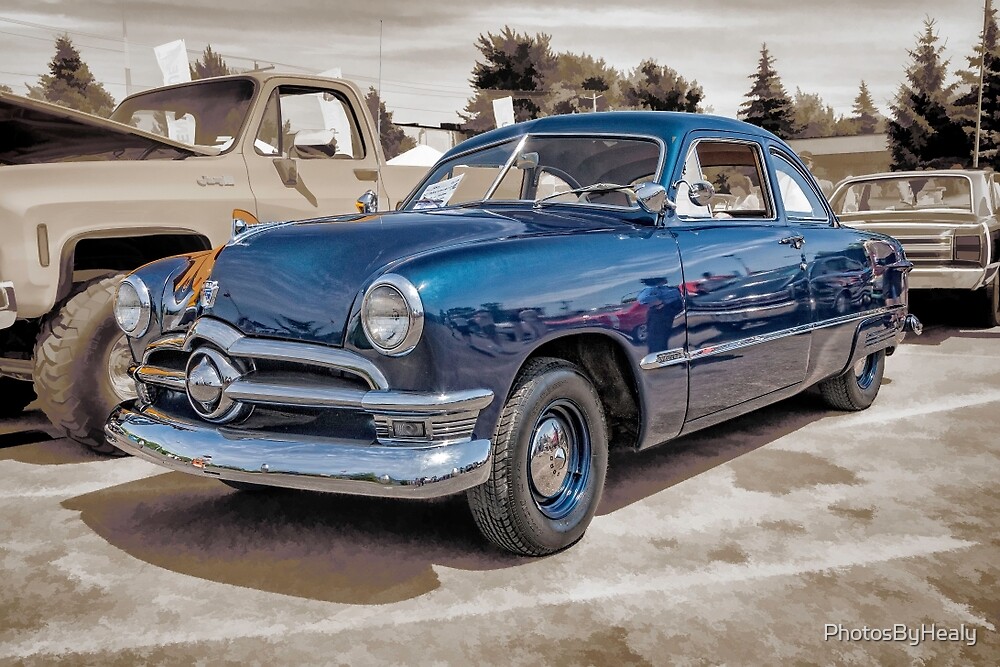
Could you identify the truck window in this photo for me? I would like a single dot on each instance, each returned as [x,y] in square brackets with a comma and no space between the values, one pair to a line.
[309,123]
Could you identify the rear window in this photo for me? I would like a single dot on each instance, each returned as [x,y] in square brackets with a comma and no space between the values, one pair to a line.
[904,193]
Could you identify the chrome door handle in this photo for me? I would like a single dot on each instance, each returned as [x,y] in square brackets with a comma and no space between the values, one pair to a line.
[795,241]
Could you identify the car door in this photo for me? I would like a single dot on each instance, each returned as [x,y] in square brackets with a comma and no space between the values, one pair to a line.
[308,156]
[745,283]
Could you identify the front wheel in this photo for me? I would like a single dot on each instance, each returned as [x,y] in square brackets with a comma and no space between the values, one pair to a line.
[857,387]
[81,365]
[550,458]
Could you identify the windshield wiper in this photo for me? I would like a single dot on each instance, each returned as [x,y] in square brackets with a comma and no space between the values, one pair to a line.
[596,187]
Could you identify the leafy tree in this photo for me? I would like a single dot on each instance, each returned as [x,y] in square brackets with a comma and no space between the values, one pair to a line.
[812,116]
[866,118]
[512,64]
[394,140]
[581,83]
[768,105]
[922,133]
[4,88]
[70,82]
[967,102]
[210,64]
[661,88]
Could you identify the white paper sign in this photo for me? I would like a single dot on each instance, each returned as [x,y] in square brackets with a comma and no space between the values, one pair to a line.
[503,111]
[172,58]
[439,193]
[181,129]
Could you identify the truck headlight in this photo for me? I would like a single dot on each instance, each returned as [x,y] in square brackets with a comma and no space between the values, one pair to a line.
[133,306]
[392,315]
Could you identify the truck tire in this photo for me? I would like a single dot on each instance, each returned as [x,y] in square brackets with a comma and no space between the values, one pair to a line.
[81,364]
[16,396]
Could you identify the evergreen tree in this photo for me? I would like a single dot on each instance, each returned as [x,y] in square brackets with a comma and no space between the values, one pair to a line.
[71,84]
[922,133]
[661,88]
[768,105]
[394,140]
[813,117]
[967,102]
[210,64]
[867,118]
[512,64]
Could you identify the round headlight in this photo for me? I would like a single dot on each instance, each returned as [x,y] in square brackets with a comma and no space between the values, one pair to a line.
[132,306]
[392,315]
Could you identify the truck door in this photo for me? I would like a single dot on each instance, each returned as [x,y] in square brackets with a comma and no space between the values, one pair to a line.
[310,154]
[745,285]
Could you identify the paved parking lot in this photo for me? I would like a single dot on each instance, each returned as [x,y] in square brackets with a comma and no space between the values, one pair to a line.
[793,535]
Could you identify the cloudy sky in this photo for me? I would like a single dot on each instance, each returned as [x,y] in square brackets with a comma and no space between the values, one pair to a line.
[428,48]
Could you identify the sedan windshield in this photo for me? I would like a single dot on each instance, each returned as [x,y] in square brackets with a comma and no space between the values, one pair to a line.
[537,167]
[904,193]
[205,114]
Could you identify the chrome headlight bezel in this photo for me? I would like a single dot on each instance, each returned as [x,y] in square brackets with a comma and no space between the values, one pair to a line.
[145,306]
[414,311]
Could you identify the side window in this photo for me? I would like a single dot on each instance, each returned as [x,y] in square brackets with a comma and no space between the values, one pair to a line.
[797,194]
[309,123]
[735,169]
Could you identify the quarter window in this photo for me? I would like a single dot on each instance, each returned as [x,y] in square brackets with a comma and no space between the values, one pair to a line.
[797,195]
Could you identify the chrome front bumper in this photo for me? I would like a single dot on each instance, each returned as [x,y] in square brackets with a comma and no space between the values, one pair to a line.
[298,462]
[8,304]
[937,277]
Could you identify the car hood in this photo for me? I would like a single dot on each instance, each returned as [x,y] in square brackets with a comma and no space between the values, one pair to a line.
[33,132]
[300,280]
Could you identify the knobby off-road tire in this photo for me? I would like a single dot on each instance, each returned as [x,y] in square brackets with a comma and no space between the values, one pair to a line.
[15,396]
[72,356]
[550,458]
[992,303]
[857,387]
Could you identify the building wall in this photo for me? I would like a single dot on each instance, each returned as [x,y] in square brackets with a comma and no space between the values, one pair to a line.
[836,158]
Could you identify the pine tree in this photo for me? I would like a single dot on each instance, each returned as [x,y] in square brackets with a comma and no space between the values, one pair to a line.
[967,102]
[71,84]
[394,140]
[768,105]
[866,117]
[210,64]
[813,117]
[922,133]
[512,64]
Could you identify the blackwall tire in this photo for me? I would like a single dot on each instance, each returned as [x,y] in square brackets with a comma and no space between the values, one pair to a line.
[15,395]
[73,365]
[550,458]
[857,387]
[992,302]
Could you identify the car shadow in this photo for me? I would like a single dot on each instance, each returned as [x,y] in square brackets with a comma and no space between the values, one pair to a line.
[359,550]
[31,438]
[949,315]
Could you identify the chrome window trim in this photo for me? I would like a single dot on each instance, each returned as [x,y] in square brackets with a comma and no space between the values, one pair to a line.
[811,180]
[765,181]
[676,356]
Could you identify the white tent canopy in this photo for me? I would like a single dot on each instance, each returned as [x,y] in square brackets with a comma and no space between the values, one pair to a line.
[421,156]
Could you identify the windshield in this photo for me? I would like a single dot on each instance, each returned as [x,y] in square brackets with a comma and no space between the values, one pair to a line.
[904,193]
[539,166]
[206,114]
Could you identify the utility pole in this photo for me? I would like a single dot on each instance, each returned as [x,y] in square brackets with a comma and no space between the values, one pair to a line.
[979,103]
[594,97]
[128,68]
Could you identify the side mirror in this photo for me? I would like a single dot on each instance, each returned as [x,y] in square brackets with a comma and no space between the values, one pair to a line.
[287,170]
[367,203]
[700,193]
[652,197]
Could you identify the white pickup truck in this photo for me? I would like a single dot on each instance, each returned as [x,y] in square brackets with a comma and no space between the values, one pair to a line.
[84,200]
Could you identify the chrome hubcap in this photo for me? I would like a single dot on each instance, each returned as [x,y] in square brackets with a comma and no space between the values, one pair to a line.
[119,360]
[864,371]
[548,457]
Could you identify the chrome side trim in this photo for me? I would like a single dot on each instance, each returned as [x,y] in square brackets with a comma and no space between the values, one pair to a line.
[318,464]
[679,355]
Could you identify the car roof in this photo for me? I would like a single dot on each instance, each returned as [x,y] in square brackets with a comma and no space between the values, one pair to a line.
[663,124]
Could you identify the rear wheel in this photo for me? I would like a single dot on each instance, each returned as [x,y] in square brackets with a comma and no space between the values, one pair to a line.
[15,395]
[857,387]
[81,365]
[992,305]
[550,458]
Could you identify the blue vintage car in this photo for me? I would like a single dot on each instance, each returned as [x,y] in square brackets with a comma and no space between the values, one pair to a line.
[472,340]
